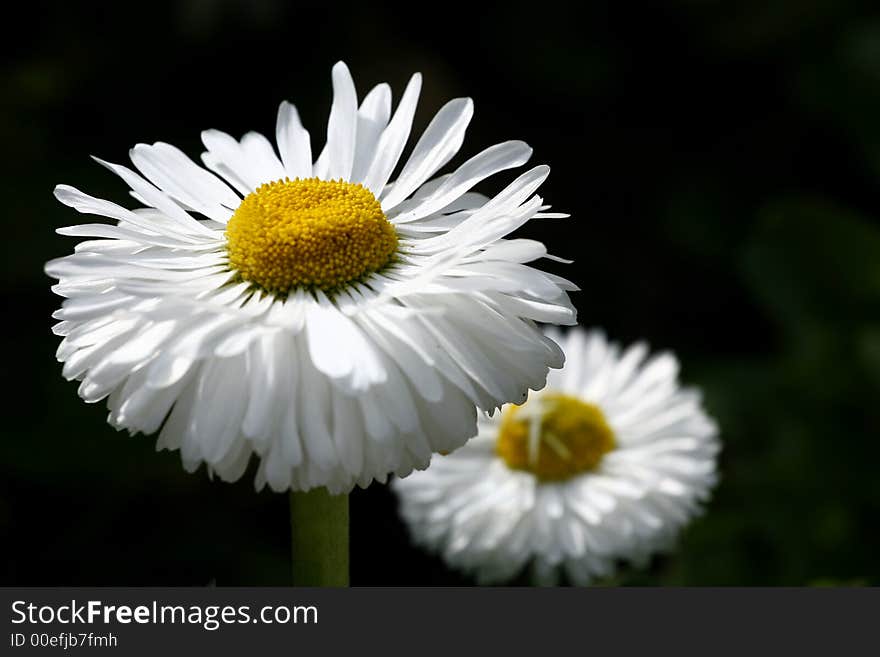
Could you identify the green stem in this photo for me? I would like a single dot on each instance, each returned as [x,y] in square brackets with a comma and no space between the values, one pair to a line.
[319,538]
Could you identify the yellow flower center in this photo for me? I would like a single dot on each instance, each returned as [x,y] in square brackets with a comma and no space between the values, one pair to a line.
[554,437]
[309,233]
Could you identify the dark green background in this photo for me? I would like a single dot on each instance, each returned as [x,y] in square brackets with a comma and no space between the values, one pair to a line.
[721,161]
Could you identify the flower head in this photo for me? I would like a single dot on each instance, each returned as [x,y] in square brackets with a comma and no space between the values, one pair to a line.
[335,324]
[608,462]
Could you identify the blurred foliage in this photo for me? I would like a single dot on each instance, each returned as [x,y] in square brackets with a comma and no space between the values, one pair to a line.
[799,486]
[721,161]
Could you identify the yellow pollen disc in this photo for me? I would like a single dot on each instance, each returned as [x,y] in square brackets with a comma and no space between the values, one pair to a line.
[309,233]
[554,437]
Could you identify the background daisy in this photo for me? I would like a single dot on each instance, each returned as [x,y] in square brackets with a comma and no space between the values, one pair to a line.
[606,463]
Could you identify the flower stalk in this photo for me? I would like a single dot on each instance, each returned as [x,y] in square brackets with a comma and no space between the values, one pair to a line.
[319,538]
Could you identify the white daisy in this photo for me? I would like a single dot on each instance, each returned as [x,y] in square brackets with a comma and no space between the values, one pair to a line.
[339,326]
[608,462]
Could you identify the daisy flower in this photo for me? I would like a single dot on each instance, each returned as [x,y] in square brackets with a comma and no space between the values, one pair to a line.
[335,324]
[608,462]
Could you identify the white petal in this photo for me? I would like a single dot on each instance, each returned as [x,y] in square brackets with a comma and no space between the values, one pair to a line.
[158,199]
[372,118]
[338,349]
[174,173]
[342,126]
[293,143]
[261,158]
[492,160]
[393,138]
[437,145]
